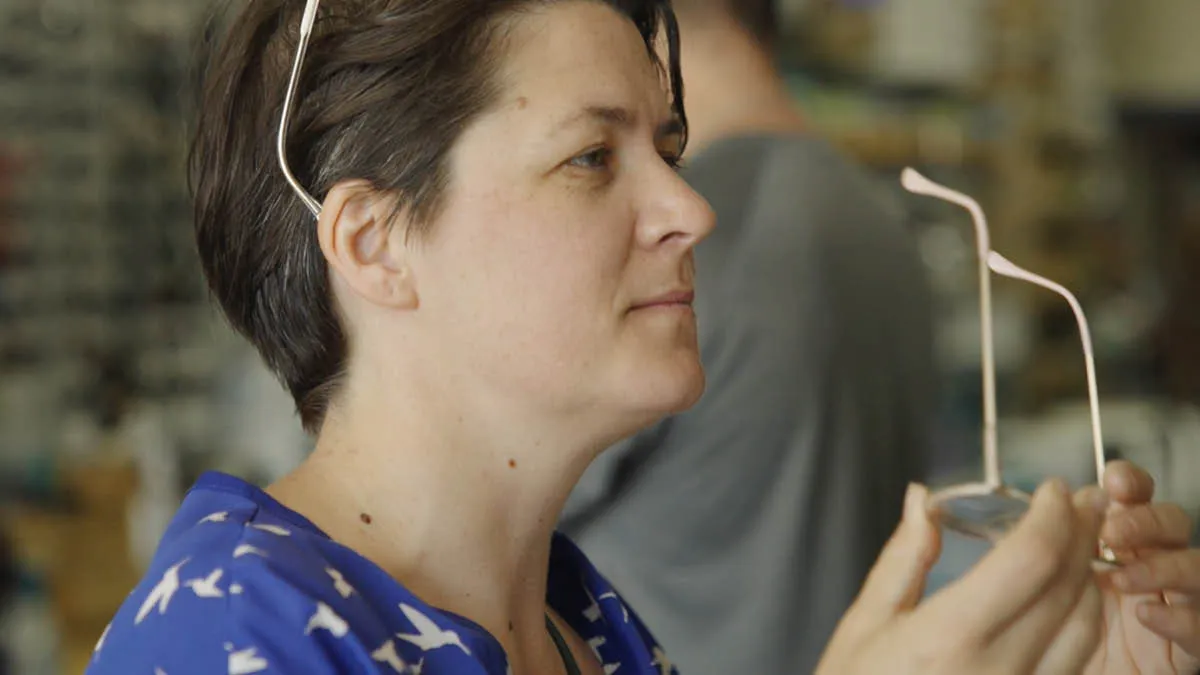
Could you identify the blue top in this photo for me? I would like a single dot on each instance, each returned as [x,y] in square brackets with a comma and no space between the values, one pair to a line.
[240,584]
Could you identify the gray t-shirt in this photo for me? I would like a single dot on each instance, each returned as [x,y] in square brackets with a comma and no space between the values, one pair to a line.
[741,530]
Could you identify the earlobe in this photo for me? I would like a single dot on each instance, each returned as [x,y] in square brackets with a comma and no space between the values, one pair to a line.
[359,245]
[402,287]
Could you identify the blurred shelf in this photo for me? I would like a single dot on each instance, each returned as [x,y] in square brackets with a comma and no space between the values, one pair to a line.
[884,149]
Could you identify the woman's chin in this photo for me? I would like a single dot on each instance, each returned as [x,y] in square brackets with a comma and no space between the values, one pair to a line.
[690,394]
[668,391]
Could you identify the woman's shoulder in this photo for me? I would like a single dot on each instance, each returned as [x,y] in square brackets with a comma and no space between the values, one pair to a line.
[239,586]
[229,586]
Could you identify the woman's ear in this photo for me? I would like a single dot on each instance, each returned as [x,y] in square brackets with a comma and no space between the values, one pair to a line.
[354,230]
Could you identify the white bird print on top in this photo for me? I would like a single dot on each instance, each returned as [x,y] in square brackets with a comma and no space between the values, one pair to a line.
[273,529]
[246,662]
[327,619]
[218,517]
[613,596]
[592,611]
[207,587]
[247,549]
[428,636]
[103,637]
[339,583]
[596,643]
[162,592]
[387,654]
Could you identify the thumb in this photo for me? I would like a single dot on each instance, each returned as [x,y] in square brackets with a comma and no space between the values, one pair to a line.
[897,581]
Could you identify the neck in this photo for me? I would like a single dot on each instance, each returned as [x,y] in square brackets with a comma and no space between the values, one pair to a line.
[449,500]
[732,86]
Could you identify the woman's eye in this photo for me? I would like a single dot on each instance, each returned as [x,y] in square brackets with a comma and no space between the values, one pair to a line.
[593,159]
[673,160]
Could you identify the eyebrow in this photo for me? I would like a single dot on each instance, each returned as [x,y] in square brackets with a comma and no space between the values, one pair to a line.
[617,116]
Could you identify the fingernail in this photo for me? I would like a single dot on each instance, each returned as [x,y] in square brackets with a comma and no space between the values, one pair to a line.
[1092,497]
[1131,577]
[1148,610]
[1123,482]
[914,500]
[1061,486]
[1121,580]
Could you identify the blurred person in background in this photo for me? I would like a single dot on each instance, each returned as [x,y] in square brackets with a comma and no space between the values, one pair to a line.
[766,503]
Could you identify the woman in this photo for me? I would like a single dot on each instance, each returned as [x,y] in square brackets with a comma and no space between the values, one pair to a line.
[497,286]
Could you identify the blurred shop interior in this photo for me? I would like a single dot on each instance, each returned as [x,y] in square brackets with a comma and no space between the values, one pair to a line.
[1076,123]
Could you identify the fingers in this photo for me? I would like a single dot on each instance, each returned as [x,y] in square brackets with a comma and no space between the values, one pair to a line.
[1064,615]
[898,578]
[1078,640]
[1169,571]
[1043,547]
[1126,483]
[1180,625]
[1147,526]
[896,582]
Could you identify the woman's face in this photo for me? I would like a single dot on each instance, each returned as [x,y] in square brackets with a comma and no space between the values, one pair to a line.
[559,273]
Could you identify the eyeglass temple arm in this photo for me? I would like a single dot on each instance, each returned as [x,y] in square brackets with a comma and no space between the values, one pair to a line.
[306,26]
[1004,267]
[917,184]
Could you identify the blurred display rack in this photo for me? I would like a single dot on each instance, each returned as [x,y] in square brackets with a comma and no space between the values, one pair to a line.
[101,299]
[99,263]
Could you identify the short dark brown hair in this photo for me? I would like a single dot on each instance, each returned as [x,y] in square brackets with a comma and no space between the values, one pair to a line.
[387,88]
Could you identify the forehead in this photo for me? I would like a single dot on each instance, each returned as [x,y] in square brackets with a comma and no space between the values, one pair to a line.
[580,53]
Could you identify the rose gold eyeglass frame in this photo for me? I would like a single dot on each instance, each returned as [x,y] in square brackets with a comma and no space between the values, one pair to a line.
[993,487]
[306,27]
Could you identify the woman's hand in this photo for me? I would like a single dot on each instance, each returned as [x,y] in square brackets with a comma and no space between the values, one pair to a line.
[1031,604]
[1144,634]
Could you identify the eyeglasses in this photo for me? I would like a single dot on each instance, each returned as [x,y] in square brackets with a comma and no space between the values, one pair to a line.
[987,510]
[306,27]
